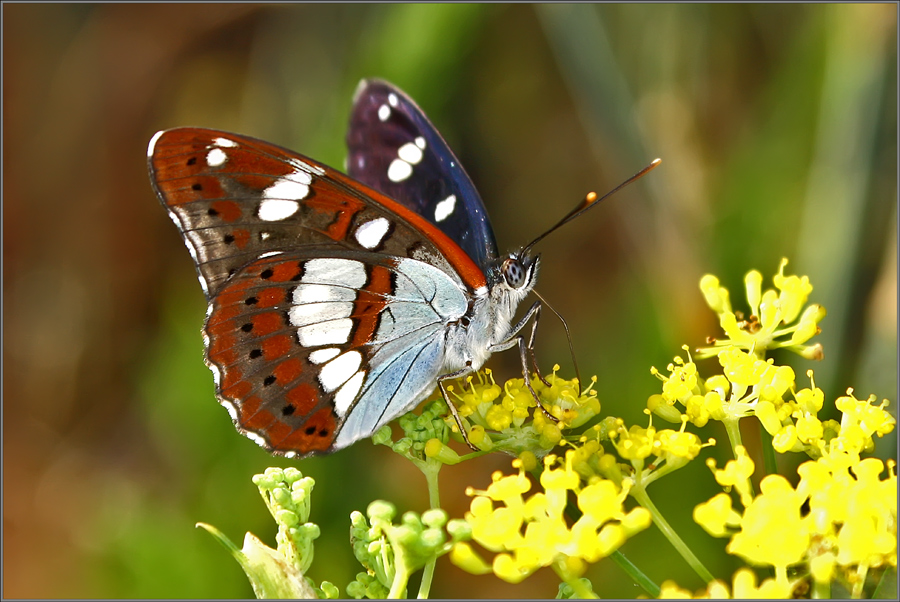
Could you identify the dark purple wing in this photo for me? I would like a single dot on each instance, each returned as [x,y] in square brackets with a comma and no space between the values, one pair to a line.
[397,151]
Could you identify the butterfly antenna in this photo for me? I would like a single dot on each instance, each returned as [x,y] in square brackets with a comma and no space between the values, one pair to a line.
[568,335]
[589,201]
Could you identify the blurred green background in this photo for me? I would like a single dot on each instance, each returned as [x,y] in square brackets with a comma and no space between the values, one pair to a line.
[777,126]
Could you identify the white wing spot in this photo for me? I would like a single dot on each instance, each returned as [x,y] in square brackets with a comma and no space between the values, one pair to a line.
[370,234]
[216,157]
[420,142]
[410,153]
[318,313]
[153,140]
[345,396]
[225,142]
[399,170]
[339,370]
[265,235]
[384,112]
[292,187]
[274,210]
[392,98]
[334,332]
[342,272]
[319,293]
[320,356]
[445,208]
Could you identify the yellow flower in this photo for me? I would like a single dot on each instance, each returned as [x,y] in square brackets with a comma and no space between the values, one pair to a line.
[736,474]
[531,533]
[636,443]
[772,530]
[856,516]
[742,369]
[794,292]
[743,588]
[463,556]
[772,315]
[716,515]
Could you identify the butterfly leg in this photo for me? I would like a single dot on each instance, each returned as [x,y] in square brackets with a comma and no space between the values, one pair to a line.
[534,363]
[452,406]
[515,338]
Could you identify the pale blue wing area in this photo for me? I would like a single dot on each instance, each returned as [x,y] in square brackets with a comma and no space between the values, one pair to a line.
[407,354]
[402,373]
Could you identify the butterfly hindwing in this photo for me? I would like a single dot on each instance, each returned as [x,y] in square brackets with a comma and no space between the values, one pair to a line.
[313,352]
[395,149]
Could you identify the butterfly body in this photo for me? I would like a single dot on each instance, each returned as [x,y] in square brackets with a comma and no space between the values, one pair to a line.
[334,308]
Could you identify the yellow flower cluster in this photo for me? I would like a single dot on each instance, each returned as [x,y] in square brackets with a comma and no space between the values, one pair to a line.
[743,588]
[755,387]
[667,449]
[530,533]
[506,419]
[770,313]
[840,520]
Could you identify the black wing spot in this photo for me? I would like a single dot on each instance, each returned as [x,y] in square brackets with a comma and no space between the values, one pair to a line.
[192,161]
[197,187]
[252,301]
[247,327]
[269,380]
[255,353]
[323,433]
[212,212]
[266,273]
[300,270]
[288,410]
[310,430]
[228,238]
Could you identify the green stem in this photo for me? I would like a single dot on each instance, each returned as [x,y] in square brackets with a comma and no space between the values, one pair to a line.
[647,584]
[636,574]
[769,461]
[434,492]
[427,577]
[733,428]
[434,500]
[640,494]
[857,591]
[398,586]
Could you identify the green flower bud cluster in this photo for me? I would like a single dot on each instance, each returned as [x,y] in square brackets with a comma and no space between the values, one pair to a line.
[391,553]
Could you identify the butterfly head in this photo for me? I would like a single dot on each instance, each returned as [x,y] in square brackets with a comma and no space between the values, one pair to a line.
[519,270]
[515,275]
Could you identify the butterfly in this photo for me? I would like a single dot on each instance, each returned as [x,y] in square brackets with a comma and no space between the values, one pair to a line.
[336,303]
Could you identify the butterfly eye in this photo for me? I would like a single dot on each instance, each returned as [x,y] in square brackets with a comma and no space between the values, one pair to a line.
[513,272]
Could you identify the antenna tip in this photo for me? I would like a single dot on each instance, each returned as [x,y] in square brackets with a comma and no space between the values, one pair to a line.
[656,162]
[590,198]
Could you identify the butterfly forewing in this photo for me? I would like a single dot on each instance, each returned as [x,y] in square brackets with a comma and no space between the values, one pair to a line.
[235,198]
[394,149]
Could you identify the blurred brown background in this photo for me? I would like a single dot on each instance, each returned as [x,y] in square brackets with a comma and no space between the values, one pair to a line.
[776,125]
